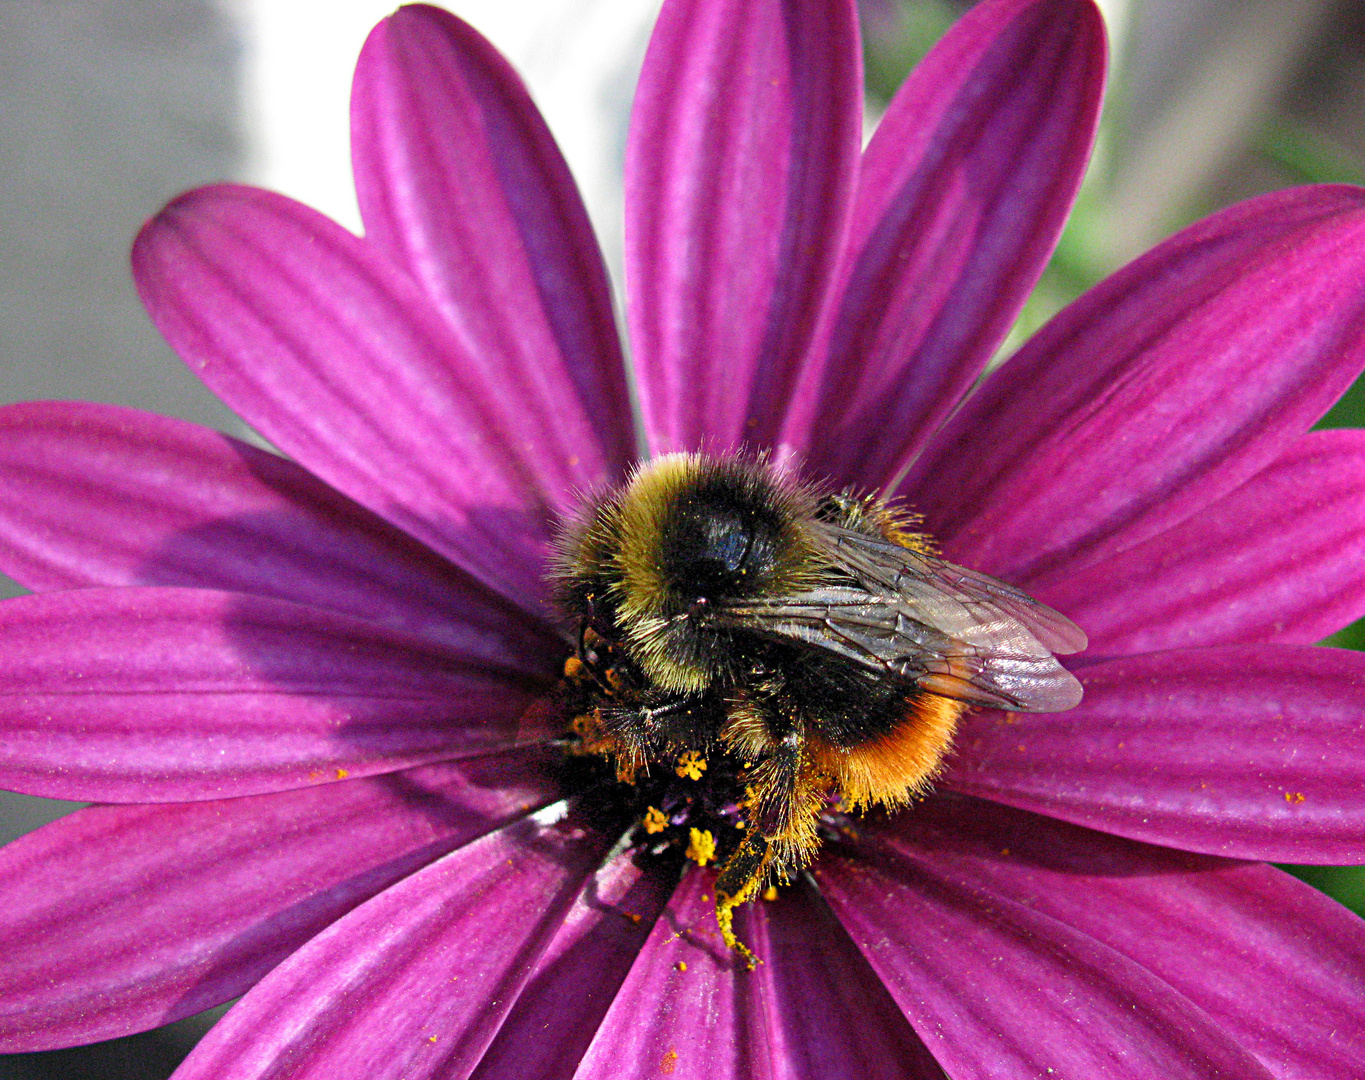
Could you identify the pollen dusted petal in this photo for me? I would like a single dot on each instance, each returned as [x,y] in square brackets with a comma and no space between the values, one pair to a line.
[703,1022]
[829,1016]
[999,991]
[159,694]
[740,168]
[578,975]
[1256,752]
[99,495]
[689,1010]
[1279,559]
[962,194]
[1158,392]
[113,923]
[1269,937]
[413,984]
[460,182]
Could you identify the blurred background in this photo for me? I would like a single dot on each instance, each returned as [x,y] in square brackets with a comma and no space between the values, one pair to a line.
[108,108]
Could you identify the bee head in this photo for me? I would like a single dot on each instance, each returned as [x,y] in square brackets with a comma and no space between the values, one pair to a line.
[685,535]
[715,545]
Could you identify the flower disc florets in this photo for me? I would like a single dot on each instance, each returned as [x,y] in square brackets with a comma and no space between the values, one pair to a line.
[687,799]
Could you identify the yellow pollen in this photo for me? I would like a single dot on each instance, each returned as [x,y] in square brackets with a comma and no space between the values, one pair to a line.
[770,893]
[343,773]
[1292,797]
[691,765]
[682,965]
[702,849]
[574,668]
[655,822]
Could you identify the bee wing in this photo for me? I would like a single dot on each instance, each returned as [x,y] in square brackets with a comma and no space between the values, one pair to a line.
[950,630]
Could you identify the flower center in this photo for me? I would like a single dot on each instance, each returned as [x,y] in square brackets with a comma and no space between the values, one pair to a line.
[690,800]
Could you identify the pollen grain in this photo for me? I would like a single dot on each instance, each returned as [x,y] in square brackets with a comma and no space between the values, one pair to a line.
[702,848]
[691,765]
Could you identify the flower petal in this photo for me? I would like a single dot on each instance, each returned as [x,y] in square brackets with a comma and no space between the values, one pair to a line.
[829,1015]
[1230,936]
[1279,559]
[339,359]
[576,978]
[739,173]
[460,182]
[811,1010]
[1001,992]
[1255,752]
[160,694]
[1160,390]
[963,192]
[121,918]
[415,982]
[98,495]
[687,1008]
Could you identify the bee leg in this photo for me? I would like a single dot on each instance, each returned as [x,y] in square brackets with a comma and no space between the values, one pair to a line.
[739,881]
[776,812]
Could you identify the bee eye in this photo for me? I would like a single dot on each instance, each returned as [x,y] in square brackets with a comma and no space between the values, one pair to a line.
[715,551]
[725,543]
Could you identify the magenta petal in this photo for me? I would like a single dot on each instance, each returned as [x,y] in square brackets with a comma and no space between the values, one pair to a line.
[414,983]
[688,1008]
[1256,752]
[339,359]
[1279,559]
[98,495]
[1232,937]
[963,192]
[576,978]
[828,1015]
[120,918]
[999,991]
[1160,390]
[739,171]
[460,182]
[159,694]
[812,1010]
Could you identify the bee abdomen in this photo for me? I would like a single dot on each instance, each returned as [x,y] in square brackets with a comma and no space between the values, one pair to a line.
[893,766]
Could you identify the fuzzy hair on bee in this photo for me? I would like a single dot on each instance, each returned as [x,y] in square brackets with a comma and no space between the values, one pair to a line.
[811,637]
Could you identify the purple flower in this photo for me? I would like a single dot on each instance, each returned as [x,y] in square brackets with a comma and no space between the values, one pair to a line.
[307,693]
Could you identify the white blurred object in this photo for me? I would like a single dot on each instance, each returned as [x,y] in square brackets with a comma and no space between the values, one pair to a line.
[580,59]
[1116,23]
[296,76]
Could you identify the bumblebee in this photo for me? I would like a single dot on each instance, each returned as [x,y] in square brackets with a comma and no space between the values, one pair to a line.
[807,643]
